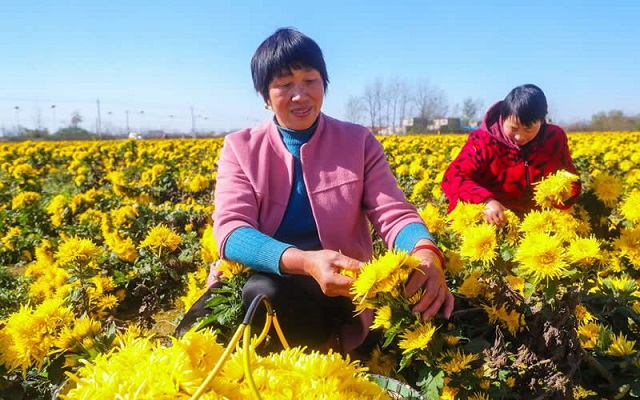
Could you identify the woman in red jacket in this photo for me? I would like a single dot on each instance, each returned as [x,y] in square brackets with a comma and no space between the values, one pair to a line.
[513,149]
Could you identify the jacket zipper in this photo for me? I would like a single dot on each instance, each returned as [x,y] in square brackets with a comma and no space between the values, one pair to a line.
[526,174]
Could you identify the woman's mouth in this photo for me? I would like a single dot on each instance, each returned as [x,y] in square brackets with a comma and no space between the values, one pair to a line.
[301,112]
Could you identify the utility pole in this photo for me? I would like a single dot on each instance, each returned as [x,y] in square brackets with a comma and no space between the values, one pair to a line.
[18,119]
[193,123]
[98,121]
[127,113]
[53,125]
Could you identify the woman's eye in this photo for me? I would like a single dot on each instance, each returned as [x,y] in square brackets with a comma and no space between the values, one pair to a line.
[281,85]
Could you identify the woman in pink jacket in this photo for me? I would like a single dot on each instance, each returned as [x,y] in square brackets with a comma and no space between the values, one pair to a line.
[295,198]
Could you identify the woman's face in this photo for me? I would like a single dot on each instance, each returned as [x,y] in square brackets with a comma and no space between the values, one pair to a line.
[296,98]
[519,133]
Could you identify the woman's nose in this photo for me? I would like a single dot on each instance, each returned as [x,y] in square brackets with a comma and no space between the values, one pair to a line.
[298,92]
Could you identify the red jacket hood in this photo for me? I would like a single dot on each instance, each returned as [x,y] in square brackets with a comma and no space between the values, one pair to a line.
[492,123]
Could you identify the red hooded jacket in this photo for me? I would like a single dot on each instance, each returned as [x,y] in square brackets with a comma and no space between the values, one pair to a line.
[490,165]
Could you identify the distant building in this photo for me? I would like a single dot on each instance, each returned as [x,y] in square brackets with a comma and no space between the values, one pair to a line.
[386,130]
[423,125]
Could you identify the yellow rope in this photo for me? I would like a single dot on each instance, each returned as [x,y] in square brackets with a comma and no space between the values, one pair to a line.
[276,325]
[246,355]
[244,330]
[232,344]
[265,330]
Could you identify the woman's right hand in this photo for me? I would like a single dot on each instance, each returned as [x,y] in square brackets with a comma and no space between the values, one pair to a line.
[322,265]
[494,212]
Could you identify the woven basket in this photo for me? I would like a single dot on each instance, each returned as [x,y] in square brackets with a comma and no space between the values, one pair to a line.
[395,388]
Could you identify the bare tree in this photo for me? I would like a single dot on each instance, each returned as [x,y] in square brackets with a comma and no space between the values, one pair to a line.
[471,110]
[372,100]
[355,109]
[76,119]
[404,100]
[392,97]
[431,101]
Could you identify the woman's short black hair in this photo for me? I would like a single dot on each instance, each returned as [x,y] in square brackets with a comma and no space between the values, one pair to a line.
[285,50]
[527,103]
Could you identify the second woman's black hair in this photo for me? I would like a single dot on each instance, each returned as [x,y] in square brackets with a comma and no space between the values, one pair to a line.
[286,49]
[527,103]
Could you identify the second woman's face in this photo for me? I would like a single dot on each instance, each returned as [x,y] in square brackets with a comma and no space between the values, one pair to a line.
[519,133]
[296,99]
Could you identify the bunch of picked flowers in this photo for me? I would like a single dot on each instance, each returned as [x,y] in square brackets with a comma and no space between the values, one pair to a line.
[379,286]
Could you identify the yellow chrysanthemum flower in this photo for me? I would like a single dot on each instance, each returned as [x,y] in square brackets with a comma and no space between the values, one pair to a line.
[554,189]
[516,283]
[512,320]
[229,269]
[620,346]
[125,249]
[559,222]
[449,393]
[479,243]
[455,263]
[161,237]
[541,257]
[77,252]
[198,183]
[401,170]
[433,219]
[582,314]
[629,207]
[584,251]
[383,274]
[196,286]
[471,286]
[51,282]
[607,188]
[208,246]
[29,334]
[628,244]
[580,392]
[417,337]
[72,336]
[420,191]
[382,318]
[455,361]
[23,171]
[175,371]
[24,199]
[588,335]
[479,396]
[619,284]
[10,238]
[124,216]
[56,209]
[464,216]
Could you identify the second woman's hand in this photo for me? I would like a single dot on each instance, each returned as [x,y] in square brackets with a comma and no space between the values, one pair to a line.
[494,212]
[435,296]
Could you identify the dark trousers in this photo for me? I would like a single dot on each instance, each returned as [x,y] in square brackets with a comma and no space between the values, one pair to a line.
[307,316]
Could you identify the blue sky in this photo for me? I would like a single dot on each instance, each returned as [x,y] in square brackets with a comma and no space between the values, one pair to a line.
[157,59]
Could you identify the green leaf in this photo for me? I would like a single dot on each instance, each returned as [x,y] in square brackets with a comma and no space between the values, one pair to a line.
[432,384]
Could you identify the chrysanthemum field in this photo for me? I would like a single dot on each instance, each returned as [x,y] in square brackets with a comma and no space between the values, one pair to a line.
[102,241]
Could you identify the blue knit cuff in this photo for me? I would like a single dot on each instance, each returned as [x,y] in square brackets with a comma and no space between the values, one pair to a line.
[255,250]
[410,235]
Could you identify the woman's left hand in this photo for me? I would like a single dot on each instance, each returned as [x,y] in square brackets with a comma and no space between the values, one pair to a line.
[431,279]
